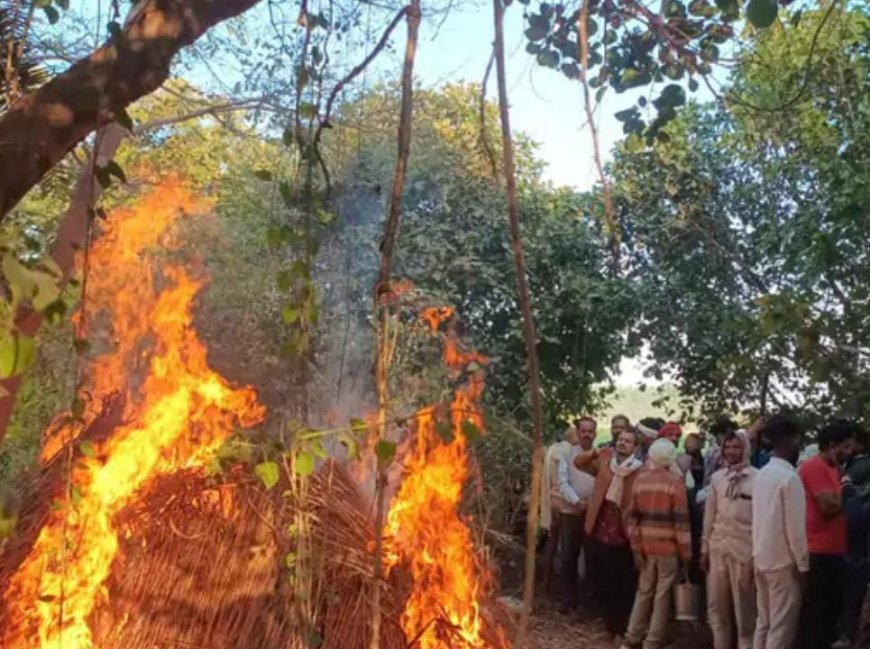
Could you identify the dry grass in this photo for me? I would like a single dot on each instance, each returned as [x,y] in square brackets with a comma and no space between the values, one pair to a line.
[201,564]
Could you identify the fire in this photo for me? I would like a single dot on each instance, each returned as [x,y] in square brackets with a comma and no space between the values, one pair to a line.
[426,531]
[176,413]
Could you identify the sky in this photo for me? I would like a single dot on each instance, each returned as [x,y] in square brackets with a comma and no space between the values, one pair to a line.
[544,103]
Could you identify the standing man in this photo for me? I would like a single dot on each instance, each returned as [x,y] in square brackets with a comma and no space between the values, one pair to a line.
[648,428]
[658,530]
[726,546]
[615,471]
[779,538]
[856,507]
[552,502]
[713,459]
[575,489]
[618,424]
[826,535]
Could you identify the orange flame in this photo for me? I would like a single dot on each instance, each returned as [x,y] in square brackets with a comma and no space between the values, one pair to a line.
[177,412]
[425,529]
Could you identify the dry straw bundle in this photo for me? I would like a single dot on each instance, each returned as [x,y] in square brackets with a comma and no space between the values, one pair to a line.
[202,564]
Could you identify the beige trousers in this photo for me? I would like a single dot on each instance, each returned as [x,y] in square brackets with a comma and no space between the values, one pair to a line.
[652,603]
[779,607]
[731,594]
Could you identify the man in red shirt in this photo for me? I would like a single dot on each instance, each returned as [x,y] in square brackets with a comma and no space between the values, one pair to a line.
[826,536]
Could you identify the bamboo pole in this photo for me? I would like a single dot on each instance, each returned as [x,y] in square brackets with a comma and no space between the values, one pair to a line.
[382,311]
[528,322]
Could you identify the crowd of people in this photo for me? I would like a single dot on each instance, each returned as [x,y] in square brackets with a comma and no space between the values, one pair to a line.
[775,538]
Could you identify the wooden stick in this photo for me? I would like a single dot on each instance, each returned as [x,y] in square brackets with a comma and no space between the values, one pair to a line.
[528,322]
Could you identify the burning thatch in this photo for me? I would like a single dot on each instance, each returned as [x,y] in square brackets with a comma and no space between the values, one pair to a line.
[127,543]
[201,564]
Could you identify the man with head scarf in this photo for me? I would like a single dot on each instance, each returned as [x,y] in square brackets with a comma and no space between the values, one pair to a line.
[726,546]
[658,530]
[648,431]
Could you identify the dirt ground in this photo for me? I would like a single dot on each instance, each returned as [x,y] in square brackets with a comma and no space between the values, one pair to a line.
[551,630]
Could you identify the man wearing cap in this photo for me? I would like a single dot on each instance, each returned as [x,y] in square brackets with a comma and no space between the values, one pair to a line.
[658,530]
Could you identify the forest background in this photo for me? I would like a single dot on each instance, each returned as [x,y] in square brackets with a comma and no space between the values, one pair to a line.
[732,265]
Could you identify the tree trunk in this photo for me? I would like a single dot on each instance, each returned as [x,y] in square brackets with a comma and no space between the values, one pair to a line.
[528,322]
[41,128]
[382,311]
[71,237]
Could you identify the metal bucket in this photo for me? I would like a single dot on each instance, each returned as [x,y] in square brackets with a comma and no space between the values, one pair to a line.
[687,601]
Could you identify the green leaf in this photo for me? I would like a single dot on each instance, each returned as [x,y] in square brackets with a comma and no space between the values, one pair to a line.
[17,353]
[548,58]
[307,110]
[77,409]
[278,235]
[358,425]
[263,174]
[82,345]
[114,30]
[123,118]
[75,495]
[762,13]
[351,445]
[87,449]
[304,463]
[385,450]
[444,430]
[325,217]
[102,177]
[316,448]
[470,430]
[286,194]
[290,314]
[268,473]
[287,137]
[52,14]
[283,280]
[571,70]
[536,32]
[290,560]
[112,168]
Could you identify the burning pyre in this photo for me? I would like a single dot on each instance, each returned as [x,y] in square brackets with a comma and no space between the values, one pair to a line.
[137,533]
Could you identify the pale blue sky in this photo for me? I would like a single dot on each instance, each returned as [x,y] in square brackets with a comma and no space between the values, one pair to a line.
[544,103]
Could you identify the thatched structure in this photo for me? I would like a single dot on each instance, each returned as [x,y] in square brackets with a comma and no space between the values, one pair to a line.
[201,564]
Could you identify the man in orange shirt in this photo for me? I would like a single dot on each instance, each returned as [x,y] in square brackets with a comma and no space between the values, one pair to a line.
[826,536]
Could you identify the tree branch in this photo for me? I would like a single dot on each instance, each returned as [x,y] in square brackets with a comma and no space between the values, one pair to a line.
[41,128]
[609,211]
[353,74]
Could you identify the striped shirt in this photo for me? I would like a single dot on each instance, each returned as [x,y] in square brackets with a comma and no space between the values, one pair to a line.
[658,515]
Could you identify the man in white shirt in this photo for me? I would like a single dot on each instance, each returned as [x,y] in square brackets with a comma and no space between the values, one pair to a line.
[779,538]
[552,502]
[575,488]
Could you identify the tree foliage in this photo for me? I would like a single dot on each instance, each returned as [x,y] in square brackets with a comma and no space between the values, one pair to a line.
[748,231]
